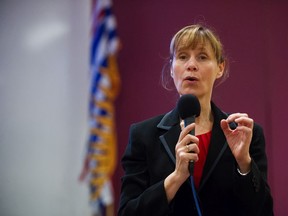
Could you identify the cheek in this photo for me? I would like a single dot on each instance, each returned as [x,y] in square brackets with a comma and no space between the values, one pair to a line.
[178,73]
[175,72]
[176,69]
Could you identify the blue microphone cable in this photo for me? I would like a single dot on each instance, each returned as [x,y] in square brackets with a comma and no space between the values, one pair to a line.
[195,196]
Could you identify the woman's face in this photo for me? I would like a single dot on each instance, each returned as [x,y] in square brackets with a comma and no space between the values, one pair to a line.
[194,71]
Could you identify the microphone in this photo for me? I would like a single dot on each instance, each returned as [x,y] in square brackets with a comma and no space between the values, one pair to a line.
[189,108]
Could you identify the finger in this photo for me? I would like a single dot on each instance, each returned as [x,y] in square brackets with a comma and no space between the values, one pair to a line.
[225,125]
[192,148]
[232,117]
[187,157]
[244,129]
[182,124]
[188,139]
[245,121]
[187,148]
[188,151]
[186,131]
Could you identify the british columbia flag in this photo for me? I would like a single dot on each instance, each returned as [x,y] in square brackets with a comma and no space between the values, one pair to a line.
[101,155]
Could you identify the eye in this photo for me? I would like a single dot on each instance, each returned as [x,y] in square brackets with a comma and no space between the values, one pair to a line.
[202,56]
[182,56]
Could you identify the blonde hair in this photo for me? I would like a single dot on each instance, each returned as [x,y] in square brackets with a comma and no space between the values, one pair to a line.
[191,36]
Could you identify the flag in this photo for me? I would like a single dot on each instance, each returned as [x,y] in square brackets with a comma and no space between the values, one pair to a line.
[100,160]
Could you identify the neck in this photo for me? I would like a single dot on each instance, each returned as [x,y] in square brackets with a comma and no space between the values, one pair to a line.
[204,122]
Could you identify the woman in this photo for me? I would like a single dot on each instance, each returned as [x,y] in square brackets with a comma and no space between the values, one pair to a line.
[228,150]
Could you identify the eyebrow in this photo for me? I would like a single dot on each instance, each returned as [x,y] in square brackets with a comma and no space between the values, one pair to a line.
[201,49]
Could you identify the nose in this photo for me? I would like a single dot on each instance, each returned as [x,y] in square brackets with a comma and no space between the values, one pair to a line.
[192,65]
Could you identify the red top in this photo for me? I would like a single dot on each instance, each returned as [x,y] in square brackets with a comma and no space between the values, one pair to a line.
[204,141]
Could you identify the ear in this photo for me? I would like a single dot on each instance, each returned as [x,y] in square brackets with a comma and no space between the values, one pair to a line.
[171,73]
[221,68]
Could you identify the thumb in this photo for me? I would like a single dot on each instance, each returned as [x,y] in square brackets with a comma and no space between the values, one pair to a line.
[225,126]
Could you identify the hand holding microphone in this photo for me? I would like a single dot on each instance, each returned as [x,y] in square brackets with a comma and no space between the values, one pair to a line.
[189,108]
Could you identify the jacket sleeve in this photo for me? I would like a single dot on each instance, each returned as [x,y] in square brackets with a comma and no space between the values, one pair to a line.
[138,197]
[252,190]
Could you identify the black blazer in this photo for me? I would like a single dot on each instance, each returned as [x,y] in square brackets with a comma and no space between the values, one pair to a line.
[150,157]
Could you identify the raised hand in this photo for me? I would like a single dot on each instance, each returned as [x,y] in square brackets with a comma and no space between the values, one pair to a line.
[239,139]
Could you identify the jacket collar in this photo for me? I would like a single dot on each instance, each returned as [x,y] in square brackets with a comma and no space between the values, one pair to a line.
[169,120]
[171,123]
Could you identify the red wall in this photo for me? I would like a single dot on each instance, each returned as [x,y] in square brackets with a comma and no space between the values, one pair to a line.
[255,37]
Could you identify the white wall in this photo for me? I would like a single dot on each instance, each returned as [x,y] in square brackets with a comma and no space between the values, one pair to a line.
[44,83]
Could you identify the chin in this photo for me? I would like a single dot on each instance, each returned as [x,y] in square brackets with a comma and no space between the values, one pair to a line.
[188,92]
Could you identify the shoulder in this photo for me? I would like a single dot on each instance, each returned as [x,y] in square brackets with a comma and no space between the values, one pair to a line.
[144,131]
[147,123]
[161,122]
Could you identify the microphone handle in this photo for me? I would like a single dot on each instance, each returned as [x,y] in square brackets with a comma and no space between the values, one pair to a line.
[188,121]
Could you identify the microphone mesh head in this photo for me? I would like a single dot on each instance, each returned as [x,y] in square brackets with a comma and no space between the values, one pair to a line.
[188,105]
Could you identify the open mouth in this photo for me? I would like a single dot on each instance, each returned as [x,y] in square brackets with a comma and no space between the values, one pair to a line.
[190,78]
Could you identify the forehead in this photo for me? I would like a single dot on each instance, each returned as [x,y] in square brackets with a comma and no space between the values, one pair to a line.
[202,47]
[191,40]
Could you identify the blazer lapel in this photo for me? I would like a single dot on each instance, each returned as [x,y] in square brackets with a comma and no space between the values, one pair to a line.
[217,146]
[171,123]
[215,152]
